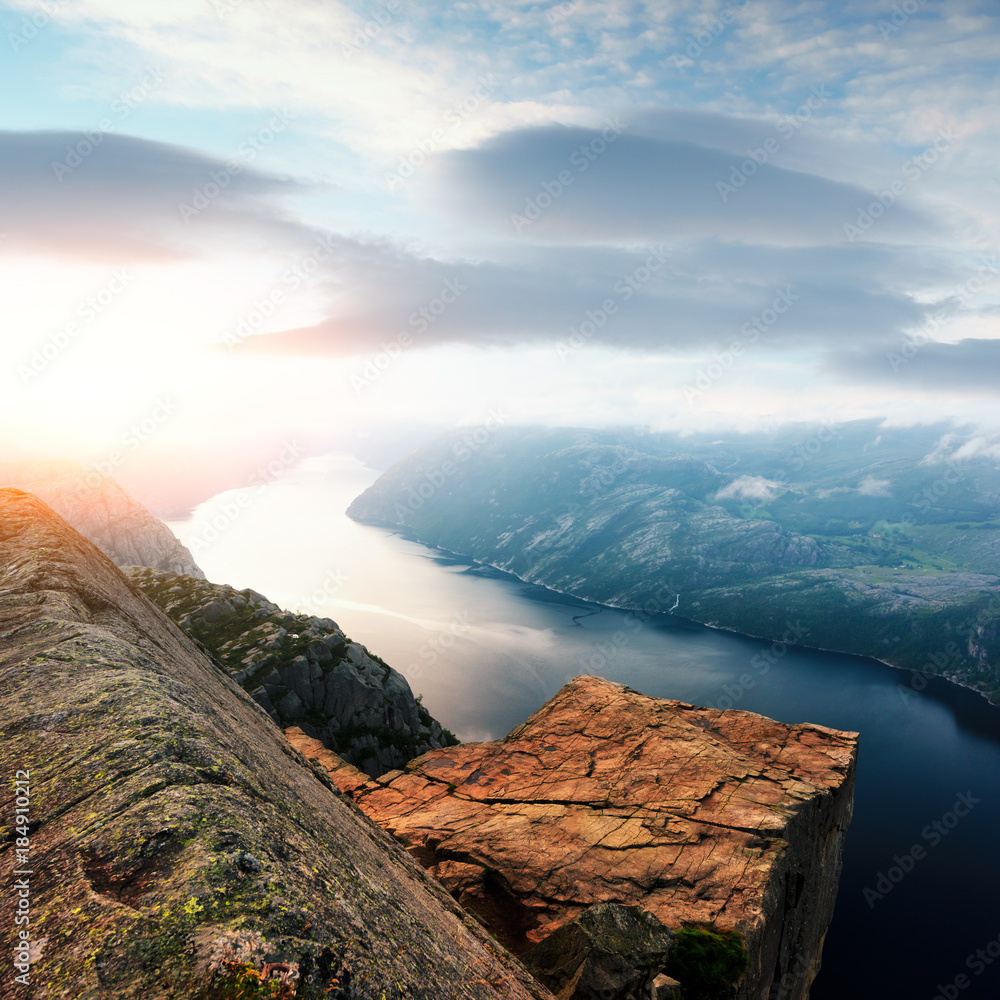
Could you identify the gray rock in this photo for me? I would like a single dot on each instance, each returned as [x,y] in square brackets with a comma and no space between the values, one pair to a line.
[335,691]
[610,952]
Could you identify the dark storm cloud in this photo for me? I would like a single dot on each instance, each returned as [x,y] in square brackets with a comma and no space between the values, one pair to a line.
[113,197]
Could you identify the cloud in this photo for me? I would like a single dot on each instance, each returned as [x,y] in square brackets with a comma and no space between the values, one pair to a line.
[750,488]
[971,365]
[571,183]
[948,449]
[114,197]
[693,302]
[874,487]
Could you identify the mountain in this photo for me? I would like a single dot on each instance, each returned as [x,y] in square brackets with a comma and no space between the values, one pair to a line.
[167,841]
[302,670]
[125,531]
[858,538]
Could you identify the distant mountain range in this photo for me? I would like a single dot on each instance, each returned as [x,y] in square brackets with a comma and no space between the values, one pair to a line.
[121,527]
[883,542]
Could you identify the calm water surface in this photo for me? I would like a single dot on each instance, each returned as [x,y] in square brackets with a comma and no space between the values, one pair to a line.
[486,650]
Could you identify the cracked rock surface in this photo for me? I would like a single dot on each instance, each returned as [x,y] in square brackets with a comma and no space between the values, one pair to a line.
[699,816]
[173,831]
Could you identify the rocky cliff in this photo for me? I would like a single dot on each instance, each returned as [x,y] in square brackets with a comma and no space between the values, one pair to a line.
[168,843]
[302,670]
[725,821]
[104,513]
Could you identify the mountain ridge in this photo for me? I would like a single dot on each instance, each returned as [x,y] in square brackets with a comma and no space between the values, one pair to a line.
[845,542]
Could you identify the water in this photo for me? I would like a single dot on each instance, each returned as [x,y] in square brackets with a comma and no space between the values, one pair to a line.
[486,650]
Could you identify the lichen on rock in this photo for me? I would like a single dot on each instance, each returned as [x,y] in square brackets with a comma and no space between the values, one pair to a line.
[176,840]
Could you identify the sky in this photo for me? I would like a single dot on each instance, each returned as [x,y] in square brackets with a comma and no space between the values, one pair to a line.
[240,227]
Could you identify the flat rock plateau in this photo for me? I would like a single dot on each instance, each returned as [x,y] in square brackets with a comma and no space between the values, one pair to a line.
[721,819]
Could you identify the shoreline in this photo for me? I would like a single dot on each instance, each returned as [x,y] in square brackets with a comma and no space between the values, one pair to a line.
[405,532]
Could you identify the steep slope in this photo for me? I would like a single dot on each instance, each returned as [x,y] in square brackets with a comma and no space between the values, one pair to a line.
[104,513]
[868,547]
[701,817]
[169,842]
[302,670]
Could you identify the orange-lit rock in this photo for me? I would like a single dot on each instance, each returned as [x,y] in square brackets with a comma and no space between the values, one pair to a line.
[606,795]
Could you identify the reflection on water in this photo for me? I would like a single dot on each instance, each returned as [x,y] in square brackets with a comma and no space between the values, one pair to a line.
[486,650]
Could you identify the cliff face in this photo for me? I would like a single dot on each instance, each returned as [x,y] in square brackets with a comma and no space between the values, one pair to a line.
[103,513]
[701,817]
[175,845]
[303,671]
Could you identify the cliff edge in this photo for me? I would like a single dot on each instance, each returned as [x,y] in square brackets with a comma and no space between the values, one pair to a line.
[167,840]
[720,820]
[302,670]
